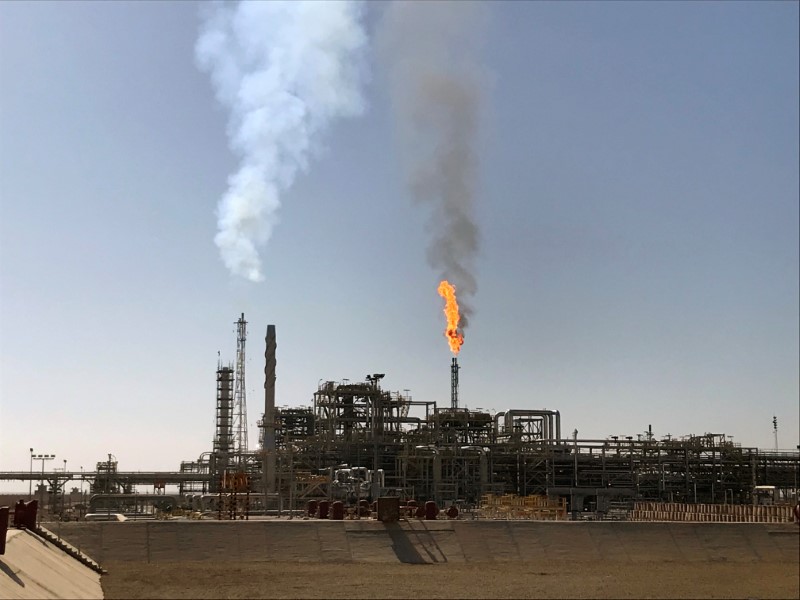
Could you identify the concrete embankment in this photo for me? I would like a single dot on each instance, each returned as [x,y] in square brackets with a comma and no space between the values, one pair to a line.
[35,568]
[433,541]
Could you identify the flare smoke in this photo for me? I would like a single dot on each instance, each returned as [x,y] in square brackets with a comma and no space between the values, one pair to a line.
[285,71]
[430,50]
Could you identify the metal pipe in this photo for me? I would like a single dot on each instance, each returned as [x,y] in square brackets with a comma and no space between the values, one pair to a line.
[497,422]
[437,475]
[546,415]
[437,468]
[484,465]
[558,425]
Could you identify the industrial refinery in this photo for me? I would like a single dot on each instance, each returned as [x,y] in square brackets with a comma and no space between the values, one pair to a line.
[357,441]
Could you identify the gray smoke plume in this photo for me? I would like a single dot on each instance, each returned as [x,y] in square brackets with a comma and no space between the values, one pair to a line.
[285,70]
[431,52]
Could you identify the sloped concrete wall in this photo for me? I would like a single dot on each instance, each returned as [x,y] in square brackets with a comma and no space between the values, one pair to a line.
[34,568]
[433,541]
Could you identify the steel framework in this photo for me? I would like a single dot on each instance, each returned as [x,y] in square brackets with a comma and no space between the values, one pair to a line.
[240,393]
[450,455]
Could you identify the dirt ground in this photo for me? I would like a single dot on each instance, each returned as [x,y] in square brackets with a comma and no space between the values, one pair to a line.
[556,579]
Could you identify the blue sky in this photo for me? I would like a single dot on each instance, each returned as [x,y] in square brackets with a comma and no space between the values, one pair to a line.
[637,208]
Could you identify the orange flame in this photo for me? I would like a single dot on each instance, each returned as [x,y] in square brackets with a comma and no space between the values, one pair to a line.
[454,337]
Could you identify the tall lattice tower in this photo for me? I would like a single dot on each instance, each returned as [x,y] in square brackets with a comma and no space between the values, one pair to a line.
[239,393]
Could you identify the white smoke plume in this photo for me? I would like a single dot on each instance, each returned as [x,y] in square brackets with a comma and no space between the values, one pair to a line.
[285,70]
[431,51]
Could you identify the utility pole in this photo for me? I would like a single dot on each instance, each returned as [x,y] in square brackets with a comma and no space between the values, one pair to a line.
[575,457]
[83,507]
[64,489]
[30,478]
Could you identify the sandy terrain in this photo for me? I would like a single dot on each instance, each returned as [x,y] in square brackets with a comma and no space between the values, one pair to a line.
[548,579]
[442,559]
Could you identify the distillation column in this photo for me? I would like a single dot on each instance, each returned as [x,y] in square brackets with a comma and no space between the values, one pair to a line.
[223,434]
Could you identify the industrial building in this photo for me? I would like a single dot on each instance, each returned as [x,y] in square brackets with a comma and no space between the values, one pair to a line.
[357,440]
